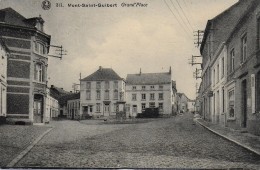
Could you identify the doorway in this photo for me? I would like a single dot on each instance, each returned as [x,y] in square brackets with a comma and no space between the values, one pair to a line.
[106,110]
[244,103]
[38,108]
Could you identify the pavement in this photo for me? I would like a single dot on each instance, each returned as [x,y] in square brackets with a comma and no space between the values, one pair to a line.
[176,142]
[14,139]
[244,139]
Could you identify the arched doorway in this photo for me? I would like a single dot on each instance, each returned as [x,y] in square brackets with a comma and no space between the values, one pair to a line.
[38,108]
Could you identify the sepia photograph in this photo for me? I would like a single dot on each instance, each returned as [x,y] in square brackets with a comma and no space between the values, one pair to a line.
[130,84]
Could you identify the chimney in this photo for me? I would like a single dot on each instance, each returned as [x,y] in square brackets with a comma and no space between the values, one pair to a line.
[140,71]
[100,67]
[52,86]
[170,71]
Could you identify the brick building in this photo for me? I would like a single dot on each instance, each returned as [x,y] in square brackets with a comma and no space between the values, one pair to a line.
[149,90]
[100,93]
[4,53]
[26,66]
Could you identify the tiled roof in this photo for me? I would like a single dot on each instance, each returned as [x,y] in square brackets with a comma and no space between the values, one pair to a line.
[103,74]
[10,16]
[148,78]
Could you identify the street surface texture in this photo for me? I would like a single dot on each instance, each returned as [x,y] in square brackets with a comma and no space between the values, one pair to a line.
[15,138]
[175,142]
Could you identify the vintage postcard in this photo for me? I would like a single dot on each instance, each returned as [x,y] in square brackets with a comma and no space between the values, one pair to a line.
[130,84]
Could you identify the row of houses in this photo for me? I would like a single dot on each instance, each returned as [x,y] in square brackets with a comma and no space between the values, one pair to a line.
[230,88]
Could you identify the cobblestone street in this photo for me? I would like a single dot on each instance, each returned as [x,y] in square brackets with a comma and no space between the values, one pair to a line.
[175,142]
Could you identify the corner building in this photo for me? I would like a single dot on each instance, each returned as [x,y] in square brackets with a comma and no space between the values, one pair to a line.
[26,66]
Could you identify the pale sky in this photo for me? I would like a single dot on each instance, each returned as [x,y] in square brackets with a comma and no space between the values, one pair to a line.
[123,38]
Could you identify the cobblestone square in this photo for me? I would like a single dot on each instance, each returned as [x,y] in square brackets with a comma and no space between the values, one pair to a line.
[175,142]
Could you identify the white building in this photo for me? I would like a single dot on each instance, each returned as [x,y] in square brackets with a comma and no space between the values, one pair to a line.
[73,106]
[100,92]
[149,90]
[52,106]
[3,76]
[218,74]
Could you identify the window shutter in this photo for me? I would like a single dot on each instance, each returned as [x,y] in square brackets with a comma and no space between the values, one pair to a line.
[253,93]
[35,72]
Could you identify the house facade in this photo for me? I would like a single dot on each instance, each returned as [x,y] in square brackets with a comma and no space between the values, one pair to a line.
[231,98]
[26,66]
[243,94]
[3,80]
[182,102]
[73,107]
[218,85]
[149,90]
[100,93]
[52,106]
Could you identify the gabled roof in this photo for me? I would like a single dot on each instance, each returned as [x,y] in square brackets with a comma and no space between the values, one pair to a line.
[10,16]
[148,78]
[103,74]
[57,92]
[240,7]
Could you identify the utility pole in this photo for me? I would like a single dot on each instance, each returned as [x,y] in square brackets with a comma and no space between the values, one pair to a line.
[196,74]
[198,37]
[60,51]
[193,60]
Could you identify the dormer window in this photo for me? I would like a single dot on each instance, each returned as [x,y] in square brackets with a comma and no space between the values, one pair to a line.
[39,26]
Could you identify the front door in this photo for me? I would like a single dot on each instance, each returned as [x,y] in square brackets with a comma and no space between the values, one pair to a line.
[244,103]
[38,109]
[106,110]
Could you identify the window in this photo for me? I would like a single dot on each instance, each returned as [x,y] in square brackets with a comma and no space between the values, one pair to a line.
[115,84]
[133,97]
[161,106]
[214,74]
[106,95]
[134,87]
[152,96]
[115,95]
[258,33]
[160,96]
[232,60]
[107,85]
[152,87]
[98,85]
[115,108]
[244,48]
[257,92]
[39,76]
[98,95]
[143,106]
[151,105]
[39,48]
[160,87]
[217,72]
[98,107]
[88,95]
[90,109]
[143,96]
[88,85]
[143,87]
[231,101]
[223,67]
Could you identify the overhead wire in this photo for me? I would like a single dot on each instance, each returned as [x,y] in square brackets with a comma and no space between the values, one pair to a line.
[176,18]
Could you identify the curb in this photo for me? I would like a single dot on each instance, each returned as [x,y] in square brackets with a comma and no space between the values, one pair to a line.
[24,152]
[223,136]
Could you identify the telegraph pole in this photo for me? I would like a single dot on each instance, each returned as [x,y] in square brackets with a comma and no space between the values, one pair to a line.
[60,51]
[198,37]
